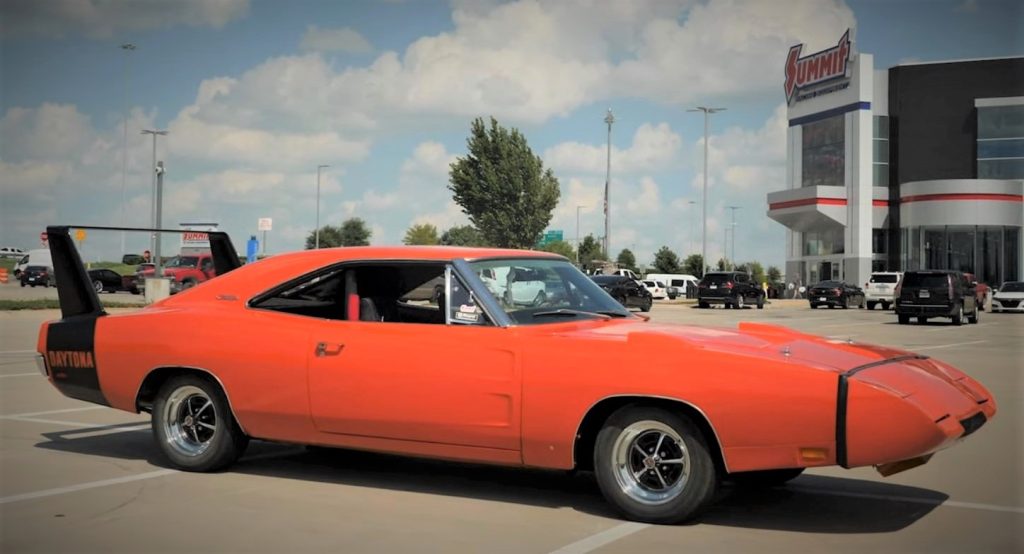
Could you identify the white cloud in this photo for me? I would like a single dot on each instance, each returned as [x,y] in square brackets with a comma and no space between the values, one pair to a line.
[647,202]
[654,147]
[335,40]
[103,18]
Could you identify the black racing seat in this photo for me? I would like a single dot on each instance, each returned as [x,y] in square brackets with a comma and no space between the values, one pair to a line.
[368,310]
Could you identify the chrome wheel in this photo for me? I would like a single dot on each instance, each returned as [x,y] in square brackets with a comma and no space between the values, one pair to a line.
[652,463]
[97,285]
[190,420]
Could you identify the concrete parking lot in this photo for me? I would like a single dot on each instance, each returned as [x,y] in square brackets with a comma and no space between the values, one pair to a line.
[75,477]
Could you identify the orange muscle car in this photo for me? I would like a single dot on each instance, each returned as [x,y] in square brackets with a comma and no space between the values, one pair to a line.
[408,350]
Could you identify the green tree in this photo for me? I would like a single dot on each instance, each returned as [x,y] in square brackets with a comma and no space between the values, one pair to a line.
[724,265]
[590,250]
[503,187]
[756,271]
[666,261]
[774,275]
[351,232]
[626,259]
[560,247]
[694,265]
[421,233]
[462,235]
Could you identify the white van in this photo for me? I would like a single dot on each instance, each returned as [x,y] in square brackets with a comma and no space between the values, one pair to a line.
[39,256]
[676,283]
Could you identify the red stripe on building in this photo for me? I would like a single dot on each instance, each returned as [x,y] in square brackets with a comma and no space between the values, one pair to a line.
[993,197]
[821,201]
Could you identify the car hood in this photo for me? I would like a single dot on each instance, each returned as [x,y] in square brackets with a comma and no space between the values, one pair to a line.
[749,339]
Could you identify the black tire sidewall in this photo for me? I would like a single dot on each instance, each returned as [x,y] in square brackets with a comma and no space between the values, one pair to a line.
[228,442]
[702,480]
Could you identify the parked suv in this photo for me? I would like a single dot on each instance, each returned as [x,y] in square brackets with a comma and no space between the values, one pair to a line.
[881,289]
[936,294]
[629,293]
[729,288]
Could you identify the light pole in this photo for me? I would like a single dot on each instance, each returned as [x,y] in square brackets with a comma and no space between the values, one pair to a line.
[578,234]
[609,119]
[692,219]
[704,190]
[128,49]
[152,212]
[733,225]
[317,232]
[158,171]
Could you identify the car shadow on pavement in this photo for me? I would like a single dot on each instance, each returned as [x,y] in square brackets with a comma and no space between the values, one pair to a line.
[812,504]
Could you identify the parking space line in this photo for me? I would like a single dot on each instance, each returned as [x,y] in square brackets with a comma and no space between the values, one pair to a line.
[951,345]
[117,427]
[64,411]
[910,499]
[597,540]
[850,324]
[86,486]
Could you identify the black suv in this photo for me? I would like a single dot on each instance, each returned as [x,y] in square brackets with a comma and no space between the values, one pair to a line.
[730,288]
[628,292]
[936,294]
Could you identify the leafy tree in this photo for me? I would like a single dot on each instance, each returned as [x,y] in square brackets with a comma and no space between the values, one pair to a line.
[560,247]
[590,250]
[330,236]
[503,187]
[462,235]
[694,265]
[351,232]
[756,271]
[724,265]
[666,261]
[422,233]
[774,275]
[626,259]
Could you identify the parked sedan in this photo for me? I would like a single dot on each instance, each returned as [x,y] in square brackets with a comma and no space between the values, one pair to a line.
[106,280]
[656,288]
[836,293]
[1009,297]
[628,292]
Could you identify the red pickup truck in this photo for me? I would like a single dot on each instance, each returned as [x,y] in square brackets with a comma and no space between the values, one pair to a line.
[185,271]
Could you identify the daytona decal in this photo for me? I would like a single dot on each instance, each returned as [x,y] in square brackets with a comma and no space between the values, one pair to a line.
[815,68]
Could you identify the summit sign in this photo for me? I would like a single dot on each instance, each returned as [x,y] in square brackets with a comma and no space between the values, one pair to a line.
[818,73]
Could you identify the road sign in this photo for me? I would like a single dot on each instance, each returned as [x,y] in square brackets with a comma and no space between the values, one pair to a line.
[551,236]
[42,236]
[80,235]
[265,224]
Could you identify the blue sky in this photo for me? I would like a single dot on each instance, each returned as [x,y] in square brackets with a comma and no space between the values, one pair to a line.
[256,94]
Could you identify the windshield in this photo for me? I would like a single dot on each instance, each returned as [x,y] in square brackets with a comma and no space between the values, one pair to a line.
[1012,286]
[533,291]
[926,280]
[184,261]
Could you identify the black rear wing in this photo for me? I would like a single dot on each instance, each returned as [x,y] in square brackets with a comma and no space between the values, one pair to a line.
[74,288]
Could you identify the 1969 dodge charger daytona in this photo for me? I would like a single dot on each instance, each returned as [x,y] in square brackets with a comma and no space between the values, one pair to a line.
[354,348]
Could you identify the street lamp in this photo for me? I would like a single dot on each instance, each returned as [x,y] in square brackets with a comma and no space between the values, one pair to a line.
[317,232]
[578,233]
[704,191]
[128,49]
[152,212]
[609,119]
[733,225]
[692,219]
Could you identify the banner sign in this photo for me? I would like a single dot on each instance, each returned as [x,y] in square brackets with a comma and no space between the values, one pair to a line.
[806,77]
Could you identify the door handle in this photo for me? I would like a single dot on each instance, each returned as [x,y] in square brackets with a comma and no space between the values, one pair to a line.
[325,349]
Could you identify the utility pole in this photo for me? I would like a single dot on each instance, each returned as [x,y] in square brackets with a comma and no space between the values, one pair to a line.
[733,226]
[609,119]
[152,211]
[692,219]
[578,234]
[317,239]
[704,190]
[159,174]
[128,49]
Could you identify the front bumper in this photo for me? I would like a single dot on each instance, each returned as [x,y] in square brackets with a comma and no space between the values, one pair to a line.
[1007,305]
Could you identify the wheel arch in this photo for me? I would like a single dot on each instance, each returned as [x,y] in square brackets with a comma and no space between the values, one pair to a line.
[150,386]
[593,420]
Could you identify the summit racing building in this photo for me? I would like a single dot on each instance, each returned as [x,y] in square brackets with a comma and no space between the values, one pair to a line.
[919,166]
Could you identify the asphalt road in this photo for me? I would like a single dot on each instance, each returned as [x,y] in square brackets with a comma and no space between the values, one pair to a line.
[75,477]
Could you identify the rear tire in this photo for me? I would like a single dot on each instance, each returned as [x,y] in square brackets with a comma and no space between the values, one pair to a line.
[670,482]
[958,319]
[97,286]
[193,425]
[739,302]
[871,305]
[814,306]
[646,307]
[903,319]
[973,318]
[702,304]
[922,320]
[885,305]
[760,302]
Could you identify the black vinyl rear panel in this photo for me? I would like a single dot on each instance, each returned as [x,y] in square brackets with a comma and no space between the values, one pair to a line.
[71,358]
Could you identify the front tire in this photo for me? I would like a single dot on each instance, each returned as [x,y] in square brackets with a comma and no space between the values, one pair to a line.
[193,425]
[97,286]
[958,319]
[739,302]
[973,318]
[646,307]
[760,302]
[653,465]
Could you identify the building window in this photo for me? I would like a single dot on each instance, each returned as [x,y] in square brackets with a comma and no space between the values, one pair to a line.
[989,252]
[823,154]
[879,241]
[1001,142]
[880,147]
[823,243]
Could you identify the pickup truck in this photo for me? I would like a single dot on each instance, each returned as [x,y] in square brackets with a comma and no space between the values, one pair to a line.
[184,271]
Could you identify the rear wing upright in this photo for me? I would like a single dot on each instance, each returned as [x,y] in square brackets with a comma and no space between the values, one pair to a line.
[74,289]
